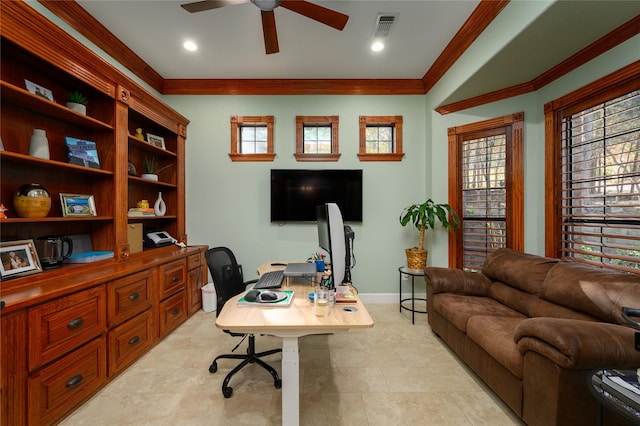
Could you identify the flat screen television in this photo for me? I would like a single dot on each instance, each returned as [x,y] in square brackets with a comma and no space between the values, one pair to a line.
[295,193]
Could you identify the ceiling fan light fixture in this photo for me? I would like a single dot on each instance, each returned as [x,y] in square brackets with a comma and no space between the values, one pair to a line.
[266,5]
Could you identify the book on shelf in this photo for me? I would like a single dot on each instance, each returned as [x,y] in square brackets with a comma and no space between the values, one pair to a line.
[140,212]
[82,152]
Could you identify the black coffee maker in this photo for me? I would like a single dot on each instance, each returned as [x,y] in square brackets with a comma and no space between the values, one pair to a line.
[52,251]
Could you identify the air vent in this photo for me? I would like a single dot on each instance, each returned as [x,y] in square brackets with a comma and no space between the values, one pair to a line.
[384,25]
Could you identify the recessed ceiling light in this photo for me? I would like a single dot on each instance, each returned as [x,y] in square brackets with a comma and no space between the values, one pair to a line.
[191,46]
[377,46]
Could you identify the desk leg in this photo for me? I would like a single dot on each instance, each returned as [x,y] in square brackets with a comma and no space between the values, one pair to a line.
[290,382]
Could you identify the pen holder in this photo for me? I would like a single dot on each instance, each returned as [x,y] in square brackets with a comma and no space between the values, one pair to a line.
[320,265]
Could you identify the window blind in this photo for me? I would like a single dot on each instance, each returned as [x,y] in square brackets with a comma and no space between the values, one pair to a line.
[600,183]
[484,198]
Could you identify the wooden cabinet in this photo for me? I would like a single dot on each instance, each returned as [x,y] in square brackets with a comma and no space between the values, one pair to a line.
[35,50]
[65,332]
[197,277]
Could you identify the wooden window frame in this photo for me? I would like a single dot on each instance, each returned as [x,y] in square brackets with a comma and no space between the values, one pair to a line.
[394,121]
[606,88]
[320,120]
[236,124]
[514,175]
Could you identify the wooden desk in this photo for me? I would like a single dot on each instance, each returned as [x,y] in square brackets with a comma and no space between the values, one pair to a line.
[290,323]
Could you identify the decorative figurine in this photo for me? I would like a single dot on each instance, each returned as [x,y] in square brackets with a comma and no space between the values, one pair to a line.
[139,134]
[2,210]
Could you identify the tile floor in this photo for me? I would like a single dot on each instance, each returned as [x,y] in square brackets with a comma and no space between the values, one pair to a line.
[393,374]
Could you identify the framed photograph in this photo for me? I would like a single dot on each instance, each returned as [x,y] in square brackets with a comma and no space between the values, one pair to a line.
[18,258]
[156,140]
[77,205]
[39,90]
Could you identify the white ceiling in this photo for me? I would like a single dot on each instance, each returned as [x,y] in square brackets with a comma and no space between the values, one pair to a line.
[231,42]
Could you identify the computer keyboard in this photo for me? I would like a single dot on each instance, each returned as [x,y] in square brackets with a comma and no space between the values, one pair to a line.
[271,279]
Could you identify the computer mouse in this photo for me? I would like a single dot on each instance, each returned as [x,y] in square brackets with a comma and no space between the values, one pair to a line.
[268,295]
[252,295]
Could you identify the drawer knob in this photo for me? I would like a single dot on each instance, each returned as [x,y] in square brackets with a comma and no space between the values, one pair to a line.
[175,311]
[133,296]
[75,381]
[75,323]
[134,340]
[175,278]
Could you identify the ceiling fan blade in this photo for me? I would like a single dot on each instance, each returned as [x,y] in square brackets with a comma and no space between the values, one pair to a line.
[269,32]
[328,17]
[201,6]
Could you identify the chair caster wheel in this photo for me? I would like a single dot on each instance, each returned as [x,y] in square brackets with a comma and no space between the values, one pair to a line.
[227,392]
[277,383]
[213,367]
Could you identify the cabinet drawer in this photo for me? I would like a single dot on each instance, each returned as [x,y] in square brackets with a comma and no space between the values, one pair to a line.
[56,389]
[59,326]
[173,277]
[194,261]
[173,312]
[129,340]
[128,296]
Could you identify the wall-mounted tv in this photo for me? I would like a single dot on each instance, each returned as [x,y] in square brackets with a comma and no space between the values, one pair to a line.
[295,193]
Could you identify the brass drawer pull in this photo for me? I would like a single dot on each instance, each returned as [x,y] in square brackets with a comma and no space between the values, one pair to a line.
[134,340]
[133,296]
[75,323]
[175,311]
[75,381]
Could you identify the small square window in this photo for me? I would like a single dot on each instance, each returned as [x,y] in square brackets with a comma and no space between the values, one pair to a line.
[252,138]
[380,138]
[317,138]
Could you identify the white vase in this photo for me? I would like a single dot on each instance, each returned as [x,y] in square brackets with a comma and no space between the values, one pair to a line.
[149,176]
[39,145]
[160,208]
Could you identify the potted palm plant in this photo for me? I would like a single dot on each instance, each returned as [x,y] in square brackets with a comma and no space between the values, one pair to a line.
[424,216]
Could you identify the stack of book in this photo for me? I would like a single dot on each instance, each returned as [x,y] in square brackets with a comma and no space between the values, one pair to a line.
[622,385]
[139,212]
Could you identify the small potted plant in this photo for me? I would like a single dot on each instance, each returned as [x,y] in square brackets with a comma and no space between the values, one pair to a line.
[423,216]
[77,102]
[151,168]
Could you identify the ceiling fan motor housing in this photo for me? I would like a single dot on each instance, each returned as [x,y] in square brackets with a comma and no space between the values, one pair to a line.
[266,5]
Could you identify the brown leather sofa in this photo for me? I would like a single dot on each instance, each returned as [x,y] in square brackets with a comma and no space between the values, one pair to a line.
[533,328]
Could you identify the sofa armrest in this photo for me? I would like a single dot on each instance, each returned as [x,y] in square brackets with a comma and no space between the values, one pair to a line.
[449,280]
[578,344]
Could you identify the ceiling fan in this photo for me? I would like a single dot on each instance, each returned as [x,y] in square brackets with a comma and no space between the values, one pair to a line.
[321,14]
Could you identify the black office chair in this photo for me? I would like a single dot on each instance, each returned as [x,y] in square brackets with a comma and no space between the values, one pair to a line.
[228,281]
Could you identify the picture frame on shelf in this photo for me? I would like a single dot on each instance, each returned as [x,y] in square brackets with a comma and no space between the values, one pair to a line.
[18,258]
[77,205]
[156,141]
[38,90]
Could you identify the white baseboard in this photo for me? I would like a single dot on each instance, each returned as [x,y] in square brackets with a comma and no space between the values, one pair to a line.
[386,297]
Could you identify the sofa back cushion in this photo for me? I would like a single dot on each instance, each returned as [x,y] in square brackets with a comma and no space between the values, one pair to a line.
[595,291]
[518,300]
[520,270]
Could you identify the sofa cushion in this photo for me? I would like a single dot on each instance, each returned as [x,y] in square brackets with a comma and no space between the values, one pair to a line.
[458,309]
[543,308]
[521,270]
[597,292]
[512,297]
[495,336]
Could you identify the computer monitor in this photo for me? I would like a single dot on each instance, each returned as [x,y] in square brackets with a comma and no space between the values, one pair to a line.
[331,238]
